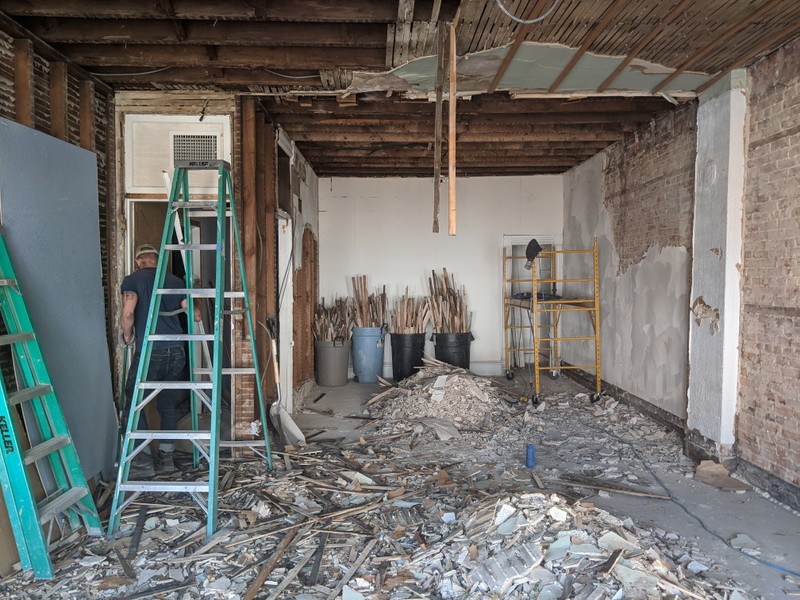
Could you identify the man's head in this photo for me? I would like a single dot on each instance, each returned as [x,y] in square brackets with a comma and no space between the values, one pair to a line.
[146,255]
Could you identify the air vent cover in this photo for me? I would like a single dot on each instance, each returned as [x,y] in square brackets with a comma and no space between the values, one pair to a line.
[194,147]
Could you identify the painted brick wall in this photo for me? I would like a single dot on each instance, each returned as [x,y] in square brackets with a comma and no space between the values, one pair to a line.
[649,185]
[768,420]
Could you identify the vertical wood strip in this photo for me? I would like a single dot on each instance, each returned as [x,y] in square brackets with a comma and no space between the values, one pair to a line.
[451,136]
[58,100]
[437,144]
[249,196]
[23,82]
[87,115]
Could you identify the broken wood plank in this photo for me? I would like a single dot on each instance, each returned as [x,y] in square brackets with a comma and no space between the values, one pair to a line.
[352,570]
[609,565]
[137,533]
[291,575]
[272,561]
[314,575]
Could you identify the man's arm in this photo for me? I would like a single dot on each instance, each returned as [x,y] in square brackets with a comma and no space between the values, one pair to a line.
[197,314]
[129,300]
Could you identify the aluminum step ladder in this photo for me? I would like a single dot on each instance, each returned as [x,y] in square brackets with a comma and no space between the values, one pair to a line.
[206,392]
[70,500]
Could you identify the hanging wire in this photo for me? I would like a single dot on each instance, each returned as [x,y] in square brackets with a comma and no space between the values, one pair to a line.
[527,21]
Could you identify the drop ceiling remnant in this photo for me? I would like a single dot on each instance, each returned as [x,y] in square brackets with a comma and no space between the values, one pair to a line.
[532,71]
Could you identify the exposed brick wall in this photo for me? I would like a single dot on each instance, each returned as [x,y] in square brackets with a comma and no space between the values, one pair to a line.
[768,420]
[649,185]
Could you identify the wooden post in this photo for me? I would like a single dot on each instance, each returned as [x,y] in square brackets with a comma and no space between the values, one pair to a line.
[87,115]
[23,82]
[249,219]
[58,100]
[451,136]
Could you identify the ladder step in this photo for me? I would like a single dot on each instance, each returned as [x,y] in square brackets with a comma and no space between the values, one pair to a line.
[193,292]
[8,282]
[29,394]
[197,204]
[15,338]
[55,505]
[164,486]
[181,337]
[39,451]
[176,385]
[227,371]
[190,246]
[236,311]
[162,434]
[203,165]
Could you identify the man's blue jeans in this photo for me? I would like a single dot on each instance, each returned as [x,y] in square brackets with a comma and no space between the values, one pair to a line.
[166,364]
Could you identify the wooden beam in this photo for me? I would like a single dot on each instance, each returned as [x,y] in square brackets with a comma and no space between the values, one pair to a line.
[716,43]
[512,51]
[210,75]
[452,99]
[743,59]
[464,138]
[649,37]
[58,100]
[441,33]
[244,57]
[23,82]
[236,33]
[498,120]
[211,10]
[87,110]
[483,104]
[594,32]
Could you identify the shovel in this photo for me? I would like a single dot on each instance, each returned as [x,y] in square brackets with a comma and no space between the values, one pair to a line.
[281,418]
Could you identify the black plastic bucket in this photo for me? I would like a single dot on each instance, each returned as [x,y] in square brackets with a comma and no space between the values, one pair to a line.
[407,349]
[453,348]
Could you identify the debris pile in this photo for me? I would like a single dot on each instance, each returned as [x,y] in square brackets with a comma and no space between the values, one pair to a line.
[408,512]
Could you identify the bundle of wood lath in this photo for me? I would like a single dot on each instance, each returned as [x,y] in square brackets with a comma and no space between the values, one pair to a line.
[448,305]
[334,321]
[370,309]
[410,315]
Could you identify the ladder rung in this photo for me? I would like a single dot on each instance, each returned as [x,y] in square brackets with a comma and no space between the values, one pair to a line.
[162,434]
[234,294]
[194,292]
[228,371]
[176,385]
[39,451]
[57,504]
[165,486]
[190,246]
[203,165]
[236,311]
[197,204]
[8,282]
[14,338]
[181,337]
[29,394]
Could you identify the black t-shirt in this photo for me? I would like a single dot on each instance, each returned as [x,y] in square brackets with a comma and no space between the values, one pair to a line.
[142,283]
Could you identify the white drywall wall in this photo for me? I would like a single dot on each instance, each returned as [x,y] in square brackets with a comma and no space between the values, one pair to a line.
[381,228]
[643,311]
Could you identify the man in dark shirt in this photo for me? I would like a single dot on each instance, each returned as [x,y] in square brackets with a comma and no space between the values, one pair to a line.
[167,358]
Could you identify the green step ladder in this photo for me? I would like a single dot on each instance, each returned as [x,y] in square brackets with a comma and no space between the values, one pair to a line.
[205,384]
[70,500]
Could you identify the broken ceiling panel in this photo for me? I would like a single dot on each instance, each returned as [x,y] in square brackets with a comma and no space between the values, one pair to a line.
[532,70]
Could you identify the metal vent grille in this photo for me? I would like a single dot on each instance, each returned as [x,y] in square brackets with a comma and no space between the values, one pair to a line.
[194,147]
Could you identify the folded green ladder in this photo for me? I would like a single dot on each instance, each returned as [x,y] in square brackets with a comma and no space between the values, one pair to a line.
[180,210]
[71,500]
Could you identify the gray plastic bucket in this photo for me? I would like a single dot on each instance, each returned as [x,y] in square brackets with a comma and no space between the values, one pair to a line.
[368,345]
[332,359]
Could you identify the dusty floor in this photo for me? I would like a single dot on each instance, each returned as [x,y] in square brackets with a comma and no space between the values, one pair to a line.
[383,507]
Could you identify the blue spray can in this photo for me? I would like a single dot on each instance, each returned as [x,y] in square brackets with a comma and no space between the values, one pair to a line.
[530,456]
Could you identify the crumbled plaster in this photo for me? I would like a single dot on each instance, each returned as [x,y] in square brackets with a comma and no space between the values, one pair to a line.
[701,311]
[533,69]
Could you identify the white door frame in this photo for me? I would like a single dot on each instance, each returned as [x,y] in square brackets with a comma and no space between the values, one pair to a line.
[285,307]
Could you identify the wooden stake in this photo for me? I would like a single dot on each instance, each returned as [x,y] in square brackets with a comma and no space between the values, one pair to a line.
[437,144]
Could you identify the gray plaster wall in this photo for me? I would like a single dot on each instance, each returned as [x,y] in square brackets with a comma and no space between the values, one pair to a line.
[643,311]
[48,202]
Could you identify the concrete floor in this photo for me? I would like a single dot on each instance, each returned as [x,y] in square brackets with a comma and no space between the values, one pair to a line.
[775,528]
